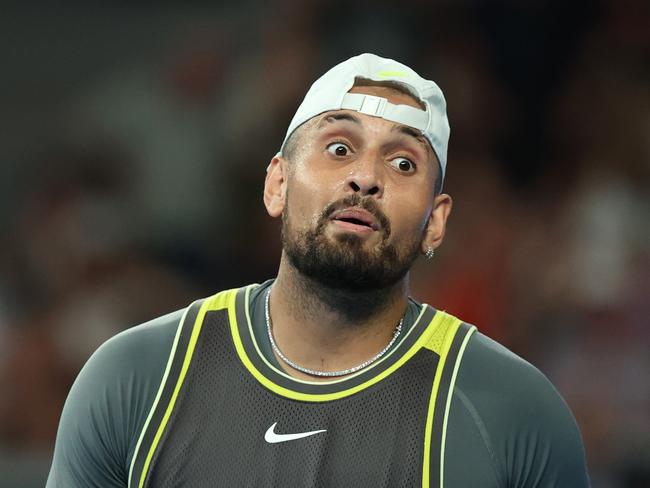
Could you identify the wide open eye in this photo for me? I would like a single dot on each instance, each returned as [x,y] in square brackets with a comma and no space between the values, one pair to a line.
[338,149]
[402,164]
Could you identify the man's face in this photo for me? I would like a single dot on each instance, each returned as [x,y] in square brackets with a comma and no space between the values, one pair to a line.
[359,195]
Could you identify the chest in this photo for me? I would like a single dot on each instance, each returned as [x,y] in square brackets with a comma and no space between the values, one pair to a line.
[225,417]
[228,429]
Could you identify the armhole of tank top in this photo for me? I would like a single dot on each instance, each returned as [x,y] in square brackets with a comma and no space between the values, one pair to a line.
[178,363]
[134,481]
[462,338]
[450,345]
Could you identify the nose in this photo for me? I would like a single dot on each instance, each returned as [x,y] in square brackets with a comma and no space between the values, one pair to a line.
[365,178]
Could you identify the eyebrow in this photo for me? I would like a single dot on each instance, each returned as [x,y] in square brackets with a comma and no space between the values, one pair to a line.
[338,116]
[409,131]
[404,129]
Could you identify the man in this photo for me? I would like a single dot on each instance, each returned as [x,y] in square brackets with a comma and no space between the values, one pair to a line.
[330,375]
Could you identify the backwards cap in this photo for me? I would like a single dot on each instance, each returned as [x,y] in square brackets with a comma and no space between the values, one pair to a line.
[330,92]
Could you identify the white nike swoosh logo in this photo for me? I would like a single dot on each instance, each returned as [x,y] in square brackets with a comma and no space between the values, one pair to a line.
[272,438]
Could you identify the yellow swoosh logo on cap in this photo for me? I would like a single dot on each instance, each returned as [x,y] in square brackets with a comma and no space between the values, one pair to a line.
[392,73]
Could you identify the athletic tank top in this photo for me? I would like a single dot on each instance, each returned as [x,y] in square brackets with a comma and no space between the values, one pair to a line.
[225,417]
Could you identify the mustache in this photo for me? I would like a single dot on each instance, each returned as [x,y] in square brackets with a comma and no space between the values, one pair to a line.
[368,203]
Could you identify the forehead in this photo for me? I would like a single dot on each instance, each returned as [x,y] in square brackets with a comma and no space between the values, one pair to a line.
[394,96]
[391,94]
[358,120]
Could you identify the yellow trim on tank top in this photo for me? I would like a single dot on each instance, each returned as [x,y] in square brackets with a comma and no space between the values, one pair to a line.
[221,300]
[441,320]
[437,337]
[452,383]
[440,342]
[328,382]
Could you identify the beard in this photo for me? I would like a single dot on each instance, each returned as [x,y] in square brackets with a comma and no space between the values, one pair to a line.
[342,262]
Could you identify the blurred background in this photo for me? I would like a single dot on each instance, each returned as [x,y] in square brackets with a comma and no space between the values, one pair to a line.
[133,147]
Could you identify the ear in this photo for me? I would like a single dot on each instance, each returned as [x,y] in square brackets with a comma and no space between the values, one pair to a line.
[275,186]
[435,229]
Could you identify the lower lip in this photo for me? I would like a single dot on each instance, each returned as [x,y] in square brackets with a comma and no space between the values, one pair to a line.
[349,226]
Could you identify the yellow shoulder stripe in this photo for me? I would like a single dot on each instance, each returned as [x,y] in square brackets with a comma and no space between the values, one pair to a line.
[450,395]
[439,341]
[224,299]
[441,337]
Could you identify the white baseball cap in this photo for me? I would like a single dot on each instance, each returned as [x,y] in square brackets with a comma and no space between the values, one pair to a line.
[330,92]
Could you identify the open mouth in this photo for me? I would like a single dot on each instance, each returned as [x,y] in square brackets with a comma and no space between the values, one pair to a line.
[356,219]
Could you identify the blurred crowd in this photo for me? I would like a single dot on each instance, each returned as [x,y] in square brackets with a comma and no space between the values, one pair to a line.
[145,193]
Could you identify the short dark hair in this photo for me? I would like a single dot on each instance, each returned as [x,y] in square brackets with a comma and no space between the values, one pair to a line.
[291,144]
[437,186]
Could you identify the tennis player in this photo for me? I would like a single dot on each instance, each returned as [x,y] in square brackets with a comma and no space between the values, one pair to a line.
[330,374]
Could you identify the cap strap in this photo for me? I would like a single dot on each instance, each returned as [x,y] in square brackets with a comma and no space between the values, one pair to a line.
[381,107]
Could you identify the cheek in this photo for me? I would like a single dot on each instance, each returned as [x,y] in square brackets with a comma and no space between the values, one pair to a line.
[313,184]
[408,219]
[305,202]
[314,174]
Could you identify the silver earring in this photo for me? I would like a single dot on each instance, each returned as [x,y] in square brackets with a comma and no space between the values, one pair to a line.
[429,254]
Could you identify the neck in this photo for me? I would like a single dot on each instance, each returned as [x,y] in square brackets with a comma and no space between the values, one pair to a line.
[328,329]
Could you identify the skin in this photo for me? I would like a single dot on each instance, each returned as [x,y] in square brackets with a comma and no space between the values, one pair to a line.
[341,153]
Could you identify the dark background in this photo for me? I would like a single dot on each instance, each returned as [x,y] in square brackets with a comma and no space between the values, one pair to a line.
[133,144]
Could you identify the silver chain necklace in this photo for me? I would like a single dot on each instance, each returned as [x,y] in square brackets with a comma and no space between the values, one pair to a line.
[322,374]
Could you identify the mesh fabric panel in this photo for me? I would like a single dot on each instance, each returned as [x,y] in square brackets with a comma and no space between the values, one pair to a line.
[215,436]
